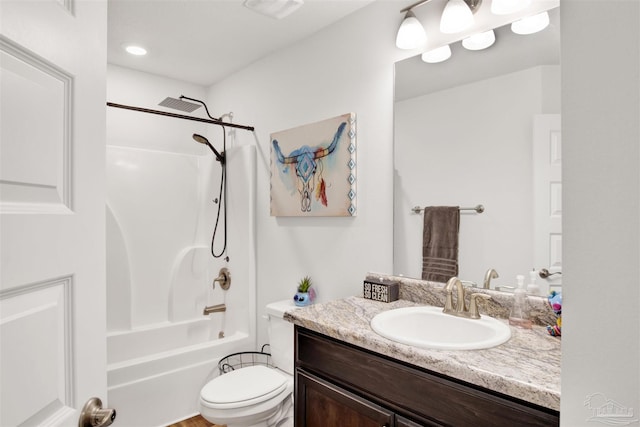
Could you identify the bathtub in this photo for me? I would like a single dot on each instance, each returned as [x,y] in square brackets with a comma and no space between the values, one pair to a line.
[158,385]
[161,349]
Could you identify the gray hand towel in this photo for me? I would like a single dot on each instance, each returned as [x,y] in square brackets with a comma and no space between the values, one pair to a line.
[440,243]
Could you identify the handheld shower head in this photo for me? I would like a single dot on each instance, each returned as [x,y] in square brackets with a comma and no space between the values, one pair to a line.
[202,140]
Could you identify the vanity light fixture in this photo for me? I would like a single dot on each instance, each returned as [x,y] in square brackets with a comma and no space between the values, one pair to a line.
[436,55]
[458,15]
[135,50]
[506,7]
[479,41]
[411,34]
[531,24]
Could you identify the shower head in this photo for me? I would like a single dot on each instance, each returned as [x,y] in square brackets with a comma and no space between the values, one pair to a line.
[179,104]
[202,140]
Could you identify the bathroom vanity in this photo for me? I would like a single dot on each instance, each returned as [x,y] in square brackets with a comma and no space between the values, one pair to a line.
[348,375]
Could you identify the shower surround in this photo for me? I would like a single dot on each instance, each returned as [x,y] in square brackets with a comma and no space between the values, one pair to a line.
[160,217]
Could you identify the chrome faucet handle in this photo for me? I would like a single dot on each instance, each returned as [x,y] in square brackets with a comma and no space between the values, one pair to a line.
[224,278]
[473,306]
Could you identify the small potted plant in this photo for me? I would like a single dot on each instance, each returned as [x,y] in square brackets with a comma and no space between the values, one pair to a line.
[305,294]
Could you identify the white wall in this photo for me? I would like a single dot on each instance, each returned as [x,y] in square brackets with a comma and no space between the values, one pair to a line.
[346,68]
[471,145]
[601,137]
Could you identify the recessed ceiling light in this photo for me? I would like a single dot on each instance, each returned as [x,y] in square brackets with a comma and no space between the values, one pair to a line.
[135,50]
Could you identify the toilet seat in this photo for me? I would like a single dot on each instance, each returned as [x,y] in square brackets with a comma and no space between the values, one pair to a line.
[243,387]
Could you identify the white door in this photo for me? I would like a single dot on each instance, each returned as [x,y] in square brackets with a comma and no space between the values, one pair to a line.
[52,186]
[547,185]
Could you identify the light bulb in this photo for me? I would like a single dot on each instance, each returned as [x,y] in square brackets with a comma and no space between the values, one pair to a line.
[411,34]
[531,24]
[456,17]
[479,41]
[439,54]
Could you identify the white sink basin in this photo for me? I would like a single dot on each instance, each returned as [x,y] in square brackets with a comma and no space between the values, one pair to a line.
[429,327]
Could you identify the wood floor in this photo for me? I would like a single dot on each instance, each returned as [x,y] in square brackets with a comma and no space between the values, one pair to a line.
[196,421]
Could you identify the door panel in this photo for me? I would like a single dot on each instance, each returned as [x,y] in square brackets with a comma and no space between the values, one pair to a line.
[52,247]
[547,179]
[34,88]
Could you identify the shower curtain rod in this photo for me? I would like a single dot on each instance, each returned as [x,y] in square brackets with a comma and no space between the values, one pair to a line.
[180,116]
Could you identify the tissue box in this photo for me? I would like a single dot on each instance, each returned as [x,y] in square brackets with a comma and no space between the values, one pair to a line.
[379,291]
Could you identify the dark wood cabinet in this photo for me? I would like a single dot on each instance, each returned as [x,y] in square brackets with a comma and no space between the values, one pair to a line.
[322,404]
[338,384]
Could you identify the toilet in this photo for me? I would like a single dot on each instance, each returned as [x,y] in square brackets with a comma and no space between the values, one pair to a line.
[256,396]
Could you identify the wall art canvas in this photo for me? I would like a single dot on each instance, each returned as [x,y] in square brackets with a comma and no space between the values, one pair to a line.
[313,169]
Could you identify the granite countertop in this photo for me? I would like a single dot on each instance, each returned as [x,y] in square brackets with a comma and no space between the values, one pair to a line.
[526,367]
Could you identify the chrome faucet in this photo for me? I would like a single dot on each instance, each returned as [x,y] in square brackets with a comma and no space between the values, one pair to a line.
[490,274]
[218,308]
[461,306]
[461,309]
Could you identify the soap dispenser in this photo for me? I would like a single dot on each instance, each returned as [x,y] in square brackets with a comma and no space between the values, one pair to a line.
[519,315]
[532,286]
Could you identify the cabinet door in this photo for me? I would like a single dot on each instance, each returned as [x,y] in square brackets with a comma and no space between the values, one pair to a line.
[321,404]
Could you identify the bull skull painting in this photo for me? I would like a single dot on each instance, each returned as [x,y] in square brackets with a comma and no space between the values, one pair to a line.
[314,173]
[307,162]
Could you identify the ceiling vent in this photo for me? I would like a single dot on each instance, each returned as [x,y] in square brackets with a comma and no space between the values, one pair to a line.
[277,9]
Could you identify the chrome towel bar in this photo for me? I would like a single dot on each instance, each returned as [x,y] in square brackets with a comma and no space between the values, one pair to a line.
[478,209]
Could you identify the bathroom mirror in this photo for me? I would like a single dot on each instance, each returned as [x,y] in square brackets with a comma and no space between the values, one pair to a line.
[464,136]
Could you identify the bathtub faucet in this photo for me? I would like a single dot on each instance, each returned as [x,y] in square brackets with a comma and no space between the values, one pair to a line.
[218,308]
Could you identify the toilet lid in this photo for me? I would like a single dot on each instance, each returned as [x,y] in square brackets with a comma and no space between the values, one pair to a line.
[246,386]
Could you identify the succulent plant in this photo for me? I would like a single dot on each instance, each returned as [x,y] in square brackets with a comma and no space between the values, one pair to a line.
[304,284]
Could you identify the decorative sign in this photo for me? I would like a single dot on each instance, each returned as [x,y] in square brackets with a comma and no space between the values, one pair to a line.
[313,169]
[385,292]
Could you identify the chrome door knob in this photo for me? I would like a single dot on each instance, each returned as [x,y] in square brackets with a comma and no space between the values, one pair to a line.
[94,415]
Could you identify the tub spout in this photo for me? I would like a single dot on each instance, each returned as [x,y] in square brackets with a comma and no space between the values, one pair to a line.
[218,308]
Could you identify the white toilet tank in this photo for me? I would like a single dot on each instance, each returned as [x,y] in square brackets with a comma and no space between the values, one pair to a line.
[281,335]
